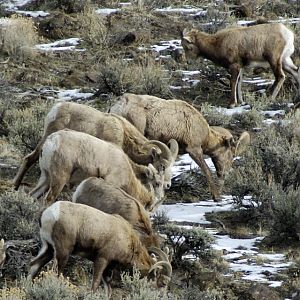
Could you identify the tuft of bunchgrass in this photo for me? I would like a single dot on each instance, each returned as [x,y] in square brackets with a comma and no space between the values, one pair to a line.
[92,27]
[118,76]
[140,288]
[26,125]
[18,36]
[49,286]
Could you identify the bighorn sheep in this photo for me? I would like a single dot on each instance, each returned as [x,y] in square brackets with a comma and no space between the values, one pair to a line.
[3,248]
[107,127]
[164,119]
[97,193]
[238,47]
[71,156]
[104,239]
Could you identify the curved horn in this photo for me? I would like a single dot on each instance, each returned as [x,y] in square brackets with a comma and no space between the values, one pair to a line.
[166,152]
[162,265]
[161,254]
[5,61]
[174,148]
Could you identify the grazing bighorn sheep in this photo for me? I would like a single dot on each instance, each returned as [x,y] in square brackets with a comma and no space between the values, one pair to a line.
[97,193]
[104,238]
[239,47]
[164,119]
[107,127]
[71,156]
[3,248]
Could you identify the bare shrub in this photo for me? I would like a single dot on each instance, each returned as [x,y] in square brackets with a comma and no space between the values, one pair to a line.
[195,242]
[286,215]
[118,76]
[18,216]
[249,119]
[273,158]
[269,172]
[26,125]
[18,36]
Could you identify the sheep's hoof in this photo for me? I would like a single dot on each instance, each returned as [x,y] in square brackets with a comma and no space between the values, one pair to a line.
[217,198]
[231,105]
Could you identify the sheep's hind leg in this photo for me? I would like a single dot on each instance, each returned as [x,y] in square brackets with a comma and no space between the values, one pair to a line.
[41,187]
[289,67]
[44,256]
[27,162]
[56,186]
[99,266]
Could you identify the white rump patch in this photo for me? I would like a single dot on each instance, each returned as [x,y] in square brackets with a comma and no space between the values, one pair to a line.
[53,113]
[289,48]
[49,217]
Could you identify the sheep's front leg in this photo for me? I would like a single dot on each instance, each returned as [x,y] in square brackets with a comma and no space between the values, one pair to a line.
[234,71]
[239,87]
[100,264]
[197,155]
[279,77]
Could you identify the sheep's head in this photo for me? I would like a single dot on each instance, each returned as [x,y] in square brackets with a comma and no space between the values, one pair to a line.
[189,44]
[161,269]
[3,248]
[163,158]
[223,153]
[173,145]
[155,181]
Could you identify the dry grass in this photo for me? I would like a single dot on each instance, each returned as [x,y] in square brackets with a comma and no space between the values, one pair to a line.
[147,77]
[92,27]
[18,36]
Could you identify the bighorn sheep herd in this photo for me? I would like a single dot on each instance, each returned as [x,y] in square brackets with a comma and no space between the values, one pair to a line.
[121,161]
[121,177]
[239,47]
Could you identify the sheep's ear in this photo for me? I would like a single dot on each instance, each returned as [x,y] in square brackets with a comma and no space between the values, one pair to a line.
[186,37]
[1,243]
[242,143]
[174,148]
[185,32]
